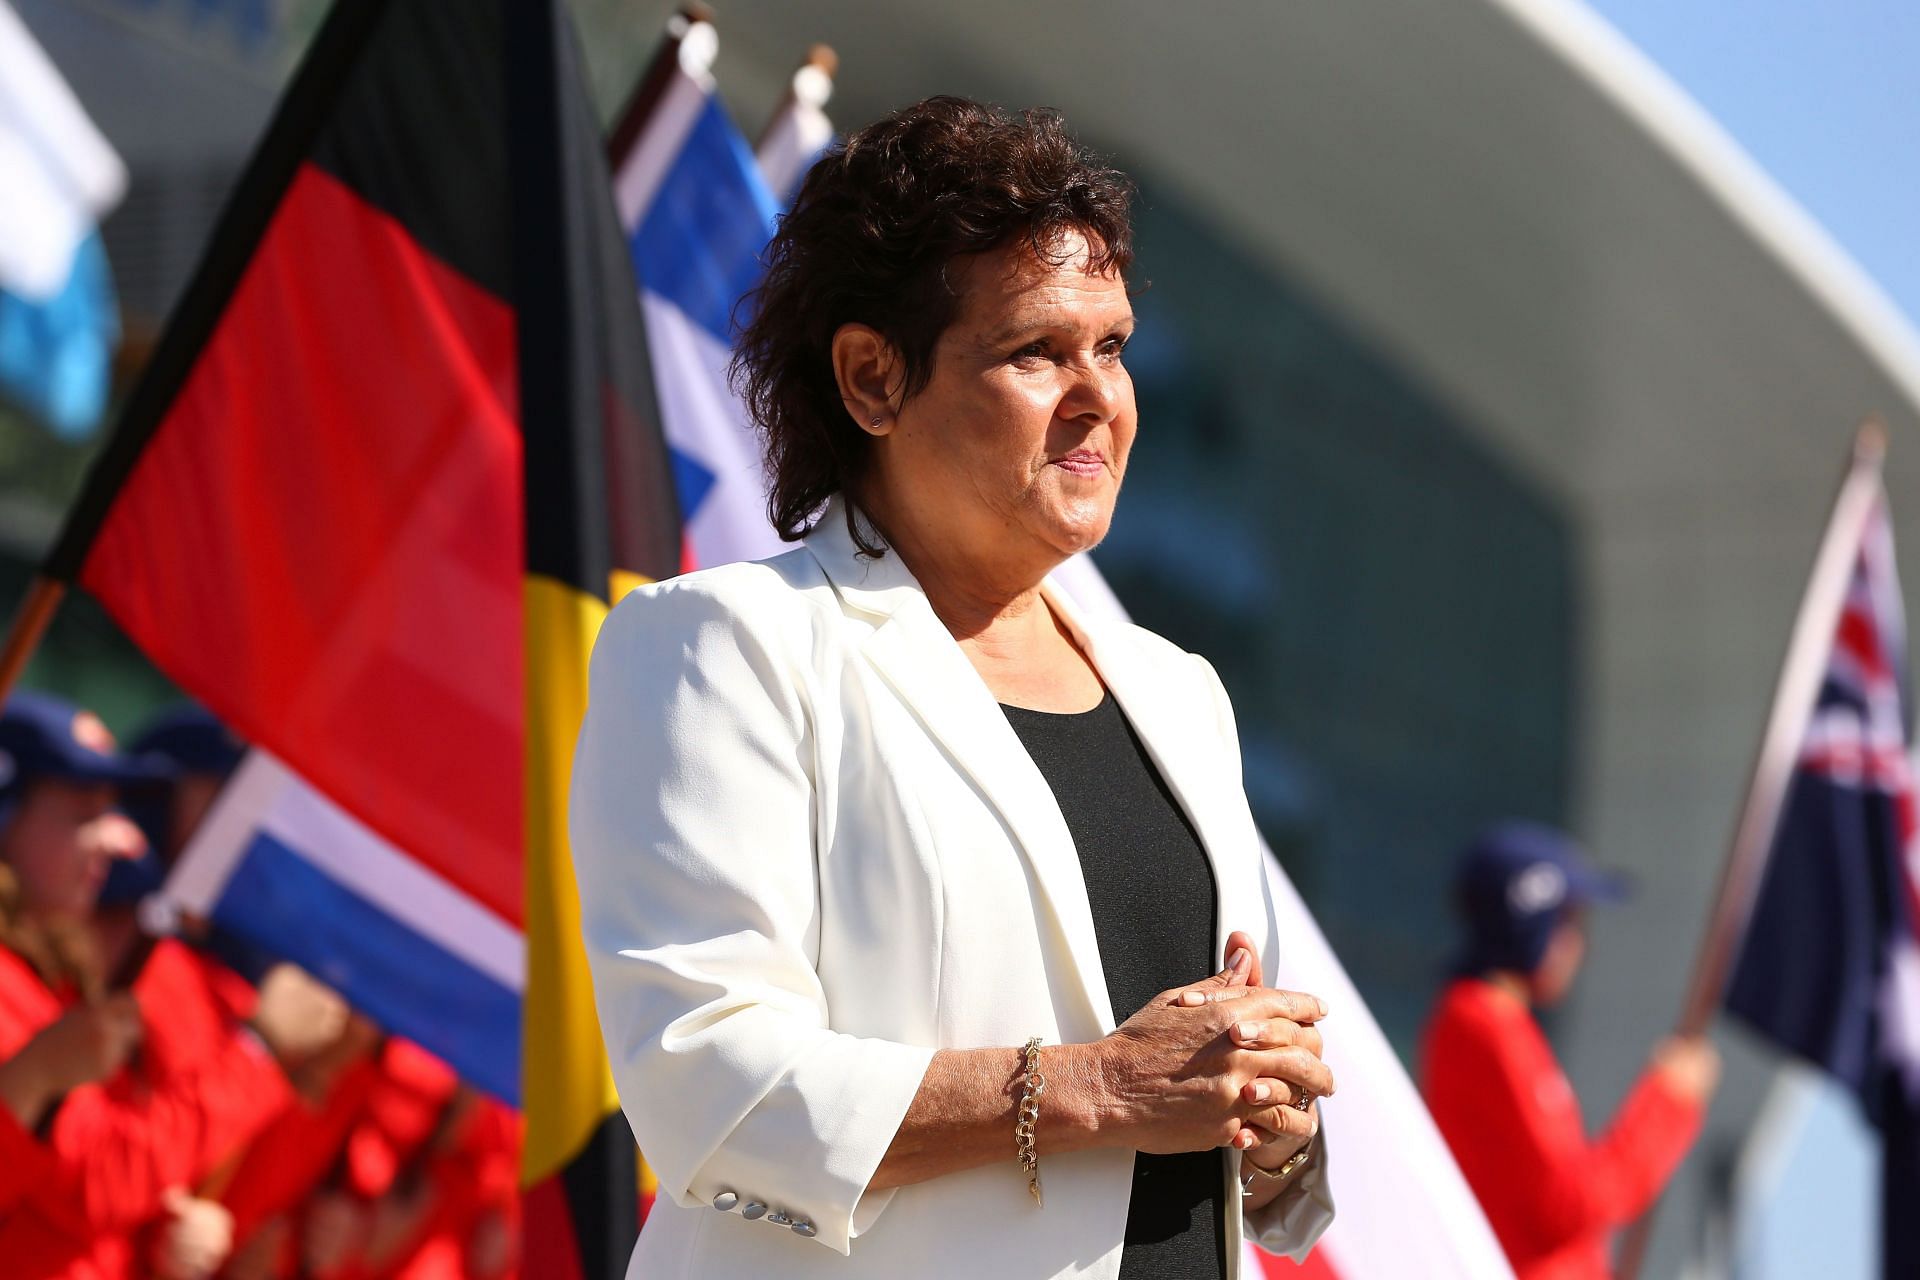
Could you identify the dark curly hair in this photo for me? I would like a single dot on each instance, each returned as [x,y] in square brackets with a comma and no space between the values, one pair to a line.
[869,239]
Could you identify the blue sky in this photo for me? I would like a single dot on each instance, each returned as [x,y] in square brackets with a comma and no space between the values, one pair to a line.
[1822,93]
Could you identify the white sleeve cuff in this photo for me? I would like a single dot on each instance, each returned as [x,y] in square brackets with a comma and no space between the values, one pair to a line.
[1291,1223]
[810,1146]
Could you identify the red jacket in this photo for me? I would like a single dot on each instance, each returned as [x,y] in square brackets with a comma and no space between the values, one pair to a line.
[297,1153]
[114,1147]
[25,1162]
[420,1138]
[196,1005]
[475,1178]
[1499,1096]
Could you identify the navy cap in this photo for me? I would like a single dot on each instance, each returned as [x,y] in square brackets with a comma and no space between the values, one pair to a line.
[186,739]
[42,736]
[190,739]
[1515,883]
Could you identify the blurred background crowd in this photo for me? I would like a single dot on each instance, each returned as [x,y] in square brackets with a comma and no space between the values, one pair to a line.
[191,1106]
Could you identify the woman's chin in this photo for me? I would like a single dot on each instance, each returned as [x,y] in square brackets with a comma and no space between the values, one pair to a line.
[1083,532]
[1069,513]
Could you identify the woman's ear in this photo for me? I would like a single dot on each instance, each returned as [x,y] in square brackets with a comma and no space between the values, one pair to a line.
[863,365]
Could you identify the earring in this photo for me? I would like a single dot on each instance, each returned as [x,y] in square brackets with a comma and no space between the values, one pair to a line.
[877,422]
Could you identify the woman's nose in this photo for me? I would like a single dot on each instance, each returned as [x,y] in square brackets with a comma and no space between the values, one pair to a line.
[1096,393]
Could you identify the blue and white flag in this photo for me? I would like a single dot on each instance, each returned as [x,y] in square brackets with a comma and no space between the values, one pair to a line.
[1830,967]
[278,865]
[59,323]
[697,217]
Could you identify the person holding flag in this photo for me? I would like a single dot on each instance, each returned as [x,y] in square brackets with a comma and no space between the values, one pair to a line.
[123,1154]
[1496,1089]
[1828,970]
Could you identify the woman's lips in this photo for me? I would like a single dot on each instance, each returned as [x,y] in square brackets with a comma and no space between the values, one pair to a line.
[1082,462]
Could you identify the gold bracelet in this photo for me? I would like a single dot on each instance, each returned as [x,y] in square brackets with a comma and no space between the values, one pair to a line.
[1029,1117]
[1281,1174]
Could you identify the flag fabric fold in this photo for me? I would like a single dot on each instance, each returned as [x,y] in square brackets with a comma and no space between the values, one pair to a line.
[366,504]
[1829,969]
[598,507]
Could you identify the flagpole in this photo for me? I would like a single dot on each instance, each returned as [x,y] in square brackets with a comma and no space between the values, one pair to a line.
[637,111]
[812,84]
[27,629]
[1794,697]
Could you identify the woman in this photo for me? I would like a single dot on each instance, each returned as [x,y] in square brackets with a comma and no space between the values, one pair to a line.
[901,882]
[1496,1090]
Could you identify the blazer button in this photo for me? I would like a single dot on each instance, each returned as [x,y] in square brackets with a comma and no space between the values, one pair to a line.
[804,1228]
[779,1219]
[753,1209]
[725,1201]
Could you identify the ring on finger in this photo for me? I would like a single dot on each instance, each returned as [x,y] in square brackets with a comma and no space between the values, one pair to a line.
[1301,1100]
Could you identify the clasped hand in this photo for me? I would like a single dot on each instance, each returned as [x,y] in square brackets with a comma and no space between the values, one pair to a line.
[1220,1063]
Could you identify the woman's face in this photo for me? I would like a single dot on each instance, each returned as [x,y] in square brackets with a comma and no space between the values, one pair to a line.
[1015,450]
[59,843]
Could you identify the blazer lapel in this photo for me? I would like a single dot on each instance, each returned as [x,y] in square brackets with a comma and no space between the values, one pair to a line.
[913,651]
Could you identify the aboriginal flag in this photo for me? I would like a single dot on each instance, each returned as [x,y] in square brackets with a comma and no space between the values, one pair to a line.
[368,499]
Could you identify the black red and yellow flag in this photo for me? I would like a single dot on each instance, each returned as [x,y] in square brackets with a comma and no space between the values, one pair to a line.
[368,497]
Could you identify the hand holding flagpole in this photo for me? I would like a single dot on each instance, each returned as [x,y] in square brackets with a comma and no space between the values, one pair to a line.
[1793,702]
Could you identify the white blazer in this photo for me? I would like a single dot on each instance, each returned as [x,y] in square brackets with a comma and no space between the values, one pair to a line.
[810,852]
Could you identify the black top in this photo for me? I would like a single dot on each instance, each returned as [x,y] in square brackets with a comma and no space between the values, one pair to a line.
[1154,910]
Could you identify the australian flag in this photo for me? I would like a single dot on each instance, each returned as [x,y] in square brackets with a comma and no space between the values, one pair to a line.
[1830,968]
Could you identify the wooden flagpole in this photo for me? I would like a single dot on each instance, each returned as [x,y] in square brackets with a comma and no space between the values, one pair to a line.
[1794,697]
[27,629]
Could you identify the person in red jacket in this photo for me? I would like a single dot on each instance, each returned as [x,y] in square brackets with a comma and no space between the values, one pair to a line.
[429,1186]
[1497,1092]
[205,996]
[124,1154]
[87,1043]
